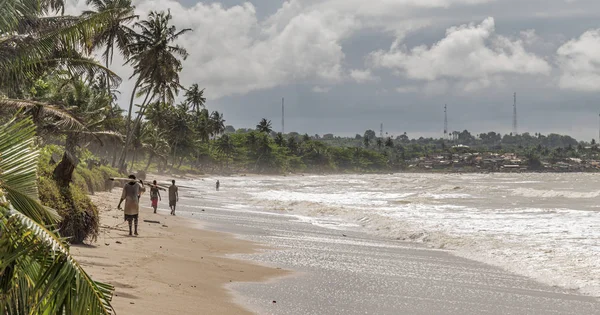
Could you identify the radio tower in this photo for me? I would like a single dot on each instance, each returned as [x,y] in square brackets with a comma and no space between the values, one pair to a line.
[515,131]
[381,131]
[282,116]
[445,121]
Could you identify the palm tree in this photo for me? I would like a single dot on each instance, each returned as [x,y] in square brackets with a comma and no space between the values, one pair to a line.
[32,43]
[379,143]
[217,123]
[225,146]
[264,126]
[92,108]
[39,275]
[279,139]
[389,143]
[292,145]
[117,33]
[154,142]
[155,62]
[180,131]
[202,125]
[114,121]
[251,139]
[136,145]
[195,97]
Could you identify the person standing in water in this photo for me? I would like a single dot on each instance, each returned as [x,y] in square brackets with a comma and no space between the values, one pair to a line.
[173,197]
[154,195]
[218,184]
[131,194]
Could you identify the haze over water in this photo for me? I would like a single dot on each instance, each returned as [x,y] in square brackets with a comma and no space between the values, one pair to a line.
[546,226]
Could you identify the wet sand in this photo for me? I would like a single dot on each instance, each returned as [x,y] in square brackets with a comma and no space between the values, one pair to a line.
[173,267]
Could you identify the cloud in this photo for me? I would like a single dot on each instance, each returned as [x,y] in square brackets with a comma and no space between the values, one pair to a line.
[321,89]
[471,53]
[579,62]
[363,76]
[232,51]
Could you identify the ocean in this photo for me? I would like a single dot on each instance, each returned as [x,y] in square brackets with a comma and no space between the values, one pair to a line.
[542,226]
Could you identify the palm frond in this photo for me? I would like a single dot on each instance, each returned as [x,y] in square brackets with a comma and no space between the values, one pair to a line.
[18,170]
[41,109]
[30,54]
[56,283]
[12,11]
[100,135]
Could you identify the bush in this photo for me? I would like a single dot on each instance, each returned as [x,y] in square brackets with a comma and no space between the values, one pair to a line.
[94,179]
[80,221]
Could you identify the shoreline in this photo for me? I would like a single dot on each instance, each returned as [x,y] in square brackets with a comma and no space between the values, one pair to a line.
[192,176]
[174,266]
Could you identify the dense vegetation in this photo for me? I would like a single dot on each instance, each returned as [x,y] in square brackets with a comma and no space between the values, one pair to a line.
[38,275]
[263,151]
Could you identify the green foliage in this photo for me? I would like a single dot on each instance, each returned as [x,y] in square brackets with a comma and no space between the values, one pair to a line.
[79,215]
[39,275]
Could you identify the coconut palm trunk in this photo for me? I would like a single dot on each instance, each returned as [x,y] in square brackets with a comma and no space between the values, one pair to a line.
[128,126]
[129,135]
[149,161]
[63,173]
[133,156]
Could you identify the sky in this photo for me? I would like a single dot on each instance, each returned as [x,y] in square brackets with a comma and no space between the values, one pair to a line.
[345,66]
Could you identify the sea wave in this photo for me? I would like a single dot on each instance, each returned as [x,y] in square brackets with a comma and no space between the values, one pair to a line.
[549,193]
[552,235]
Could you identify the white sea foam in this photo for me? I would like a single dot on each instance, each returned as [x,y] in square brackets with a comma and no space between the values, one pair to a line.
[546,226]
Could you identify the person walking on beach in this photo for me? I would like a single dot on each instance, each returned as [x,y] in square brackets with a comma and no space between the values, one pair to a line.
[173,197]
[218,184]
[154,195]
[131,194]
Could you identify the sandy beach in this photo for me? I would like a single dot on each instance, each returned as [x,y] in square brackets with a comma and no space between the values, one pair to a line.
[172,267]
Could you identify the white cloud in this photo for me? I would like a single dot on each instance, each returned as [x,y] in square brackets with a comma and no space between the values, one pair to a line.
[579,62]
[471,53]
[321,89]
[363,76]
[233,52]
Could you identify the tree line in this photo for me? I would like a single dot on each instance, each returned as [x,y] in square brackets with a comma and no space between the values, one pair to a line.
[56,87]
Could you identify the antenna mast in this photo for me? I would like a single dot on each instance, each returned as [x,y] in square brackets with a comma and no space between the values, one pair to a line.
[445,121]
[515,130]
[282,115]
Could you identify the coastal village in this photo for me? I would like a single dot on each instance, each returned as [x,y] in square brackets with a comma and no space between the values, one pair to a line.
[497,162]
